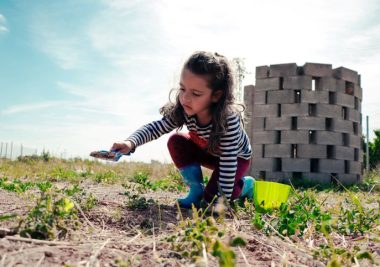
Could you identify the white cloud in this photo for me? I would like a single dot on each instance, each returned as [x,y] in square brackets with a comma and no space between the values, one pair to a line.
[31,107]
[63,44]
[61,49]
[2,24]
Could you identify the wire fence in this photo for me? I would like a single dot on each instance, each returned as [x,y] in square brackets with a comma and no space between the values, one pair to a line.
[12,151]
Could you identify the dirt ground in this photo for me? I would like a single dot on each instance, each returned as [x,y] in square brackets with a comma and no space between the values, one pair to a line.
[118,236]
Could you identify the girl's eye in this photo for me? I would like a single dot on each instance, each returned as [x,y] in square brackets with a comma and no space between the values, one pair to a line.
[194,94]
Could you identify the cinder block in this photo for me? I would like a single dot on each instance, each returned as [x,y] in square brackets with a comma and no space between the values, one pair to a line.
[279,123]
[343,152]
[358,91]
[281,97]
[328,138]
[331,165]
[318,178]
[295,165]
[257,151]
[258,124]
[326,84]
[267,84]
[249,88]
[360,177]
[278,176]
[265,110]
[311,123]
[359,107]
[248,91]
[361,155]
[340,86]
[317,70]
[264,164]
[345,100]
[248,97]
[299,109]
[260,97]
[262,72]
[348,178]
[265,137]
[354,141]
[346,74]
[353,115]
[342,126]
[294,137]
[297,82]
[308,96]
[281,70]
[355,167]
[312,151]
[327,110]
[277,151]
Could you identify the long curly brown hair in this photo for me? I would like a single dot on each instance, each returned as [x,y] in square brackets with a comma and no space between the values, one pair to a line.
[219,75]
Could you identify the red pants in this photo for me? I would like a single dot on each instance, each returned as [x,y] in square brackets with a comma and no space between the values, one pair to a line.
[185,152]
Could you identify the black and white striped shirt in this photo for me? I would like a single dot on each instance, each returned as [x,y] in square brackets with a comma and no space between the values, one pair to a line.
[233,144]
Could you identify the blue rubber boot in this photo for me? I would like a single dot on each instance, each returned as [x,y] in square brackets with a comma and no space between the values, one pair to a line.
[248,186]
[192,174]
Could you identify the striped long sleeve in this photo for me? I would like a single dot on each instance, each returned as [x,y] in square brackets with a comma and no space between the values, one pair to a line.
[152,131]
[228,157]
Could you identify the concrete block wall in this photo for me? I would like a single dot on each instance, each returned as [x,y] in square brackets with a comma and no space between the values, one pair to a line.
[305,123]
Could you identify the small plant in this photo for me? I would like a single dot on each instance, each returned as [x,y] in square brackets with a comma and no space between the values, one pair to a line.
[44,185]
[137,202]
[108,177]
[53,216]
[89,202]
[15,185]
[340,256]
[294,218]
[142,179]
[85,200]
[45,155]
[61,173]
[198,235]
[5,217]
[353,219]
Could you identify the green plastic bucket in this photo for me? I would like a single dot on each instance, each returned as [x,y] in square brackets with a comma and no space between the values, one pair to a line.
[270,195]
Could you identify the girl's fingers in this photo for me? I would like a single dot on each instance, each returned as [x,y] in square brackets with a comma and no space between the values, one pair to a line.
[120,147]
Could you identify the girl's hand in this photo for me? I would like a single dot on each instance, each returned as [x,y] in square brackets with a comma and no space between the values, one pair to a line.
[123,147]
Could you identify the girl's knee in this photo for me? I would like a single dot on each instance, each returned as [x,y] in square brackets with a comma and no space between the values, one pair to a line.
[175,140]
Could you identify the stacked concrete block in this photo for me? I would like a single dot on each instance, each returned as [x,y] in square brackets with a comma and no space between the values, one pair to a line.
[305,123]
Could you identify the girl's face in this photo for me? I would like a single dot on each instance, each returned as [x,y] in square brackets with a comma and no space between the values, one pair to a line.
[195,96]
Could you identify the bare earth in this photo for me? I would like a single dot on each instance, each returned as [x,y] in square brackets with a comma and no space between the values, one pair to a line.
[118,236]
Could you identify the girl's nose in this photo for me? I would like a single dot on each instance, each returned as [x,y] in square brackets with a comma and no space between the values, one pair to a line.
[186,97]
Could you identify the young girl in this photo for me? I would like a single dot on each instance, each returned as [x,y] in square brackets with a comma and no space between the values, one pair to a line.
[216,138]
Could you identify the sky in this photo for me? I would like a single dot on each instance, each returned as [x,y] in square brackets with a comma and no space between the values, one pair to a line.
[78,75]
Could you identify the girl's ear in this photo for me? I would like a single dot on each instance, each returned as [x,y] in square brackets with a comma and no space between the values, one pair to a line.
[216,95]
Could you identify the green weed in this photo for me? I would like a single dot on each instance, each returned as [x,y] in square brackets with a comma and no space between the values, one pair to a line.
[198,235]
[53,216]
[15,185]
[141,178]
[61,173]
[107,177]
[137,202]
[353,219]
[294,218]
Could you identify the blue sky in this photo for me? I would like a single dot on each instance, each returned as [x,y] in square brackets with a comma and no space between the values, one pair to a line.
[77,75]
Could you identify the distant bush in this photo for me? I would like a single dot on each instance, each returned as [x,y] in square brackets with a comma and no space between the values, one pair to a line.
[374,150]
